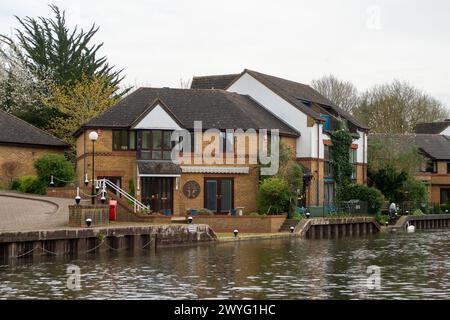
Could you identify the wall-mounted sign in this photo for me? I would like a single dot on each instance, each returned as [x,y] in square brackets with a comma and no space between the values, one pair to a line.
[191,189]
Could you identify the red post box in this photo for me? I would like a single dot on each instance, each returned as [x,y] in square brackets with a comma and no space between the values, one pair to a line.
[112,210]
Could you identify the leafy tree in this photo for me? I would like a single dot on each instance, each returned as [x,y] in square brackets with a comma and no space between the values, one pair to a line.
[273,196]
[20,91]
[45,52]
[340,159]
[342,93]
[78,104]
[392,151]
[389,181]
[48,46]
[397,108]
[414,190]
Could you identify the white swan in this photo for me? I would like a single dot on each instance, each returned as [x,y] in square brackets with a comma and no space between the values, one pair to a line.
[410,228]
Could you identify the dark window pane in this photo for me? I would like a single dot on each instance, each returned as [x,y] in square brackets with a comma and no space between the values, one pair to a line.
[146,142]
[167,155]
[156,154]
[132,140]
[156,139]
[211,192]
[166,140]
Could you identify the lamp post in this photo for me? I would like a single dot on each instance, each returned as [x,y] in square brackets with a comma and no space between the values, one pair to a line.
[93,136]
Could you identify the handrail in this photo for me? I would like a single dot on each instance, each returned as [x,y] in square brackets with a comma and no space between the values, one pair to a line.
[136,203]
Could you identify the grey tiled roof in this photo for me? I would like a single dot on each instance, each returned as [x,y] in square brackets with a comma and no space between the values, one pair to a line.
[295,92]
[215,108]
[17,131]
[432,127]
[434,145]
[213,82]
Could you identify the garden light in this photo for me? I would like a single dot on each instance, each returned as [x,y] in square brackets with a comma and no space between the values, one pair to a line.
[189,219]
[77,197]
[88,222]
[86,180]
[236,232]
[292,229]
[52,183]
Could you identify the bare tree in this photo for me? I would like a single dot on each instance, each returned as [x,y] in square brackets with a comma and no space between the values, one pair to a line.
[343,93]
[397,108]
[185,84]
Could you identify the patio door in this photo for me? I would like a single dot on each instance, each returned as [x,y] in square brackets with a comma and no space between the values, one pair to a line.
[158,193]
[219,194]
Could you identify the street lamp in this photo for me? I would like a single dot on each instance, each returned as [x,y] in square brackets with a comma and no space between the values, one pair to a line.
[93,136]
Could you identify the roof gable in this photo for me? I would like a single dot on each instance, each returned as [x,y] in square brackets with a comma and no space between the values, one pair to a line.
[158,116]
[299,95]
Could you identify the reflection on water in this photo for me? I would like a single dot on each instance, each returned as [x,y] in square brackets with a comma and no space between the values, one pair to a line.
[412,266]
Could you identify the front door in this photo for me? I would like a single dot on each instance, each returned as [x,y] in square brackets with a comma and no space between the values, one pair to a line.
[158,193]
[219,194]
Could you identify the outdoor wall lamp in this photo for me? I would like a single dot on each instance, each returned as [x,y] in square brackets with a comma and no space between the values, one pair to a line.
[78,198]
[93,136]
[88,222]
[189,219]
[236,232]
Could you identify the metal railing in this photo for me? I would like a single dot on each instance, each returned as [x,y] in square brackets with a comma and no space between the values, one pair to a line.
[137,205]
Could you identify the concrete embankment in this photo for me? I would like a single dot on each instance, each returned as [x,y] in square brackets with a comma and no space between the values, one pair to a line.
[80,241]
[336,227]
[426,221]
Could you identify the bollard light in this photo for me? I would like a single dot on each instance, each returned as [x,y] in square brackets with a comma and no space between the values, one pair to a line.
[386,223]
[307,213]
[189,219]
[52,183]
[292,229]
[88,222]
[103,198]
[236,232]
[77,197]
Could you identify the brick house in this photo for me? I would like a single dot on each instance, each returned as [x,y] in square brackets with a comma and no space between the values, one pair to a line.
[134,147]
[311,114]
[434,171]
[20,145]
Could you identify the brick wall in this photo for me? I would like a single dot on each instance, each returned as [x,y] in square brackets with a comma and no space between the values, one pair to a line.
[25,156]
[245,224]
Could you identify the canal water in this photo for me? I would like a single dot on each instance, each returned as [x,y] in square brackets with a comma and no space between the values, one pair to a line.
[409,265]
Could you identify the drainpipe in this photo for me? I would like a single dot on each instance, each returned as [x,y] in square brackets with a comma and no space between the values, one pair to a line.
[84,153]
[364,158]
[318,161]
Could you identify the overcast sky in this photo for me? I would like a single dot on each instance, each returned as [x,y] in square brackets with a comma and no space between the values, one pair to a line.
[159,42]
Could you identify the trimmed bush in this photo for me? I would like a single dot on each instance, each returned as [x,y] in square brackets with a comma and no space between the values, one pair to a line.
[15,184]
[31,184]
[373,197]
[54,165]
[273,196]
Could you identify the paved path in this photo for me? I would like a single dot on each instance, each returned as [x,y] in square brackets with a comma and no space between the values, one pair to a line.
[20,211]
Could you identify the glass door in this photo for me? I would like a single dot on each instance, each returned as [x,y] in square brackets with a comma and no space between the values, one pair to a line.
[219,194]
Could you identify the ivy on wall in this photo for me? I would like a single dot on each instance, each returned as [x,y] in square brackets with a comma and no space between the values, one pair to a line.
[340,158]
